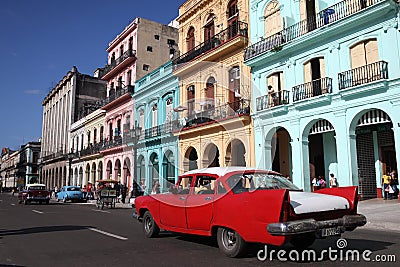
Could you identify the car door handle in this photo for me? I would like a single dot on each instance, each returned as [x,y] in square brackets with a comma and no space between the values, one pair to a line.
[208,198]
[182,198]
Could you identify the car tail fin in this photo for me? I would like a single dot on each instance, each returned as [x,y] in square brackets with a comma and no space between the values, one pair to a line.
[287,210]
[348,192]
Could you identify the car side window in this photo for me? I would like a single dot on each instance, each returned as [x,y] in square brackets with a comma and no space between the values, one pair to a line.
[184,185]
[221,188]
[204,185]
[240,183]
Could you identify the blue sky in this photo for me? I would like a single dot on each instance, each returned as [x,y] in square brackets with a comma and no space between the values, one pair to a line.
[42,39]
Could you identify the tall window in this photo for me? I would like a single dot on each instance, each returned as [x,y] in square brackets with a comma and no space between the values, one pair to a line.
[190,99]
[168,109]
[209,27]
[95,136]
[210,92]
[234,88]
[112,57]
[308,14]
[141,118]
[233,18]
[130,44]
[314,69]
[276,81]
[121,50]
[272,18]
[190,40]
[154,111]
[364,53]
[101,133]
[129,77]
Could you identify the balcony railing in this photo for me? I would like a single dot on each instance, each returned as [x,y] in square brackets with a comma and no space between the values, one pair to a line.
[115,142]
[311,89]
[129,137]
[109,67]
[362,75]
[119,91]
[223,112]
[92,149]
[272,100]
[326,16]
[240,29]
[159,130]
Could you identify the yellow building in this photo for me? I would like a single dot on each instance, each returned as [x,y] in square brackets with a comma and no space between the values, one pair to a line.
[215,94]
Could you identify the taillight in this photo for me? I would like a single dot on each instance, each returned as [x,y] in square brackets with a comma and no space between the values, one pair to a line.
[285,212]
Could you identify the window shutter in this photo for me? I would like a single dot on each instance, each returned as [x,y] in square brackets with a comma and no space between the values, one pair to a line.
[307,72]
[273,21]
[322,67]
[357,54]
[371,50]
[303,10]
[270,81]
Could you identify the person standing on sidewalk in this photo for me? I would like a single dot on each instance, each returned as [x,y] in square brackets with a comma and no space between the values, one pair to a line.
[332,181]
[386,180]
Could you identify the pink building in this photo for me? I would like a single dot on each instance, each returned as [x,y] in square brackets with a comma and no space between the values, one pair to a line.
[140,48]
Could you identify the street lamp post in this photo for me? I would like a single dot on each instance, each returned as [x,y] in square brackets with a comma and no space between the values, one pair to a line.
[136,131]
[70,158]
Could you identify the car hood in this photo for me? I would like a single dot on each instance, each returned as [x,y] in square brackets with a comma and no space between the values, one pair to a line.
[306,202]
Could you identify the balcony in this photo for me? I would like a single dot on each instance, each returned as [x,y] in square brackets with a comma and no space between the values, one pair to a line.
[115,142]
[218,40]
[327,16]
[119,91]
[127,57]
[159,130]
[214,114]
[272,100]
[92,149]
[311,89]
[363,75]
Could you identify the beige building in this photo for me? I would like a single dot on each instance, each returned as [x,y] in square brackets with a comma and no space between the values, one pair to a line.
[87,138]
[70,100]
[215,94]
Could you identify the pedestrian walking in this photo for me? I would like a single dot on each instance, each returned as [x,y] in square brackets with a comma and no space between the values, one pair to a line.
[332,180]
[386,180]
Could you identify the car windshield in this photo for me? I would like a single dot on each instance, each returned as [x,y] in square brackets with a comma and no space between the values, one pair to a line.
[240,183]
[73,189]
[36,187]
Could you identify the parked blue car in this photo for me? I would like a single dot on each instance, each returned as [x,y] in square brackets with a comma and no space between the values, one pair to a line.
[73,193]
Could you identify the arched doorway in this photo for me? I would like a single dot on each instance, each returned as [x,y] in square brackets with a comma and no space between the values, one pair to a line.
[235,154]
[117,170]
[94,173]
[141,171]
[190,160]
[154,169]
[211,156]
[169,168]
[109,170]
[87,175]
[127,172]
[100,171]
[281,152]
[80,177]
[322,150]
[374,144]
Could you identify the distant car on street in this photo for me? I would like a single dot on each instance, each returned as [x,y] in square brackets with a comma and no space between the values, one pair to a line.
[72,193]
[240,205]
[34,193]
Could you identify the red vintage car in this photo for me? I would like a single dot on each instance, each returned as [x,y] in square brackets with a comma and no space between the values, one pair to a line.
[34,193]
[240,205]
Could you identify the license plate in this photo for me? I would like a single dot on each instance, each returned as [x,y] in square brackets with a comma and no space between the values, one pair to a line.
[330,231]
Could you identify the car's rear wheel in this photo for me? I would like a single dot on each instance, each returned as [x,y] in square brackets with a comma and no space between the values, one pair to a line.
[303,241]
[230,242]
[150,228]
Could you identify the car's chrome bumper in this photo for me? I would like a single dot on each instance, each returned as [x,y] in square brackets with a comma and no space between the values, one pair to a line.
[311,225]
[135,214]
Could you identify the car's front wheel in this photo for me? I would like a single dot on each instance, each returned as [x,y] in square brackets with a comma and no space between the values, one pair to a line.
[64,199]
[150,228]
[230,242]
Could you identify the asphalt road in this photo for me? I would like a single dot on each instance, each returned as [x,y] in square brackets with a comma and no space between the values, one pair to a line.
[80,235]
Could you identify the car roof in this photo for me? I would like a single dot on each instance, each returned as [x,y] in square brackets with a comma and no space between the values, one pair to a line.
[221,171]
[28,185]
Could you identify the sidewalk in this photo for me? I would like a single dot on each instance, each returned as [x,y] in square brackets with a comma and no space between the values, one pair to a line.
[381,214]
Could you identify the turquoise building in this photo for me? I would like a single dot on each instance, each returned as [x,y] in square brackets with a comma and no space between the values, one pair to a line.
[326,89]
[155,97]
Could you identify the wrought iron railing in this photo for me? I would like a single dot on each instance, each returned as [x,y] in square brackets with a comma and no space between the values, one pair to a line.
[159,130]
[311,89]
[109,67]
[212,114]
[57,154]
[239,29]
[116,93]
[326,16]
[129,137]
[272,100]
[115,142]
[92,149]
[364,74]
